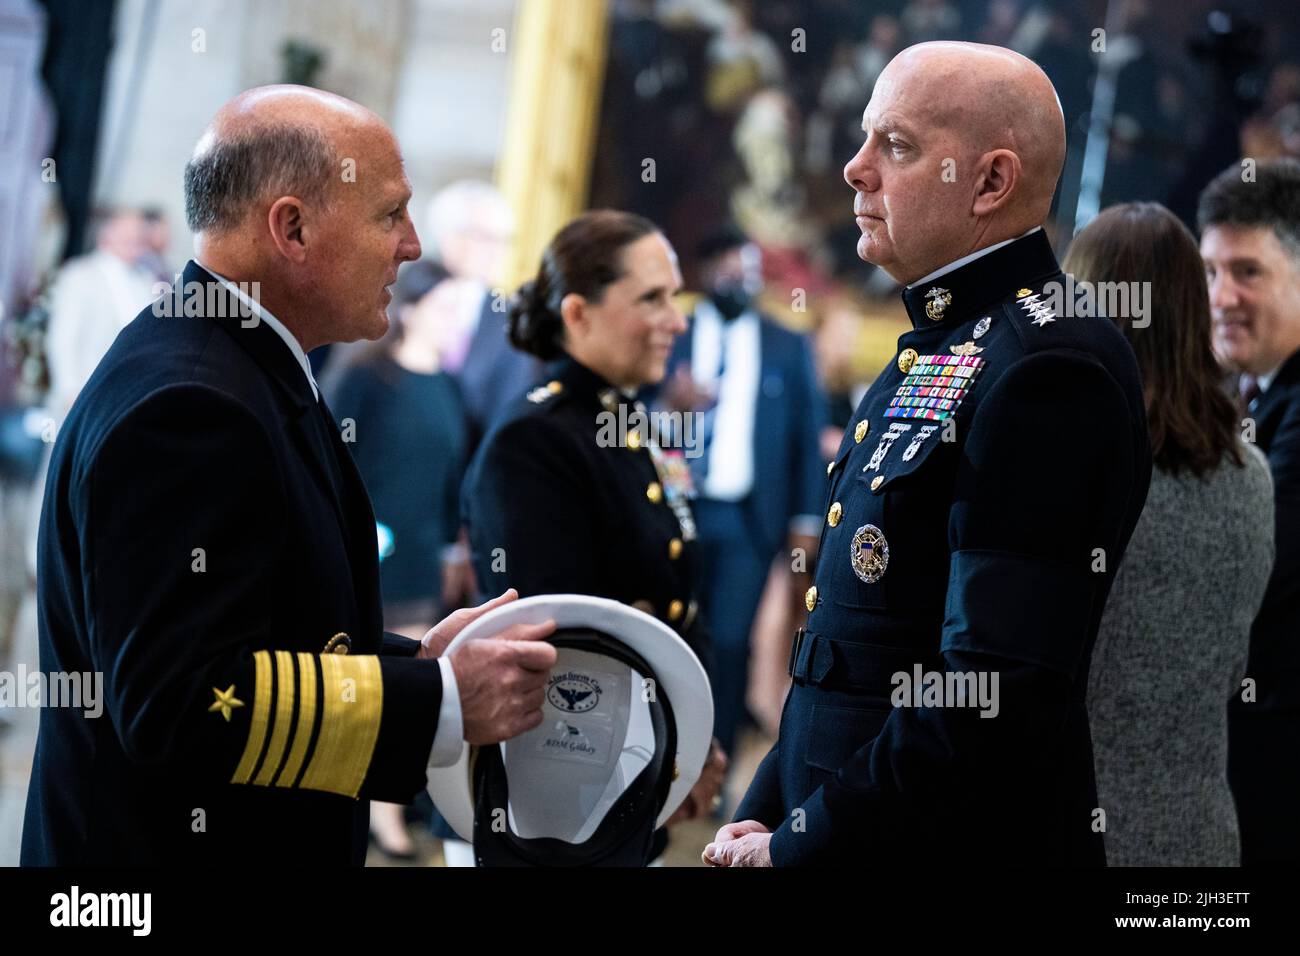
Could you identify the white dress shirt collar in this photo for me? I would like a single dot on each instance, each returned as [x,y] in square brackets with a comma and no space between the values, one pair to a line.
[275,324]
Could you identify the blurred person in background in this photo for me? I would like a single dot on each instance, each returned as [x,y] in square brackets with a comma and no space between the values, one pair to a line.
[409,440]
[1175,633]
[470,226]
[1250,244]
[554,504]
[93,297]
[157,241]
[757,474]
[835,345]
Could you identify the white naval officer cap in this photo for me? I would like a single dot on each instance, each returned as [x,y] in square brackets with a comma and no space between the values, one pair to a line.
[626,728]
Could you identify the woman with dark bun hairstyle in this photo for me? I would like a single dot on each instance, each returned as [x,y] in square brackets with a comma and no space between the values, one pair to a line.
[569,492]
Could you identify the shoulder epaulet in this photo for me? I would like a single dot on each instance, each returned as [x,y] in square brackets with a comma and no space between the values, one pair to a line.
[543,394]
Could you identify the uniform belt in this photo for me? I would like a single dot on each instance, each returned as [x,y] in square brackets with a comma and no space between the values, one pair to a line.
[848,665]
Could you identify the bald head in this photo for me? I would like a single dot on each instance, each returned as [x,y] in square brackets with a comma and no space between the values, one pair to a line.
[965,144]
[989,98]
[304,192]
[338,120]
[268,142]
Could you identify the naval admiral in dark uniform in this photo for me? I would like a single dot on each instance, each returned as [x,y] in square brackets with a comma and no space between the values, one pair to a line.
[207,545]
[975,513]
[570,492]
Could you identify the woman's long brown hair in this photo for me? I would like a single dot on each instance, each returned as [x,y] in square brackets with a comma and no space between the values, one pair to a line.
[1191,421]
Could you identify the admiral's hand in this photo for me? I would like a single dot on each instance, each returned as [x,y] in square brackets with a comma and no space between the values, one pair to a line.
[437,638]
[502,681]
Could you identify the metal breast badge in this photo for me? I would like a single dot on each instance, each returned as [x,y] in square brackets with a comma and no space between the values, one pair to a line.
[896,430]
[869,554]
[915,445]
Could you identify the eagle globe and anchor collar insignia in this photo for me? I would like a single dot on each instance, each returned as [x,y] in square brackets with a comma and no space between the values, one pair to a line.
[977,289]
[939,300]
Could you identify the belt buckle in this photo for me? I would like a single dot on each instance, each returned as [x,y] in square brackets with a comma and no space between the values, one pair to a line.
[794,650]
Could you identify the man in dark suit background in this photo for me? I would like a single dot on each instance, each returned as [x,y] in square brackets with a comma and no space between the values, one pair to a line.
[207,546]
[756,467]
[470,228]
[1250,241]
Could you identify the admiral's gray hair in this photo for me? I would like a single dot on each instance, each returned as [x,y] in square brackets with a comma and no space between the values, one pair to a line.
[1271,201]
[274,159]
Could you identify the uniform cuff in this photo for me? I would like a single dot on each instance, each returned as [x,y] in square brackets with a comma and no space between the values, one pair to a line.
[450,734]
[804,839]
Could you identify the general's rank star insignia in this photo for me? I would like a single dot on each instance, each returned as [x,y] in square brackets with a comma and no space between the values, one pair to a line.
[225,703]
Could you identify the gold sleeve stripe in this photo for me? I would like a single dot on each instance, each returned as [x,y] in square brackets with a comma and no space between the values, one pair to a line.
[353,701]
[285,700]
[306,720]
[261,716]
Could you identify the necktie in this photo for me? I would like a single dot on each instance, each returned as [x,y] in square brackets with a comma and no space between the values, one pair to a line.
[1248,391]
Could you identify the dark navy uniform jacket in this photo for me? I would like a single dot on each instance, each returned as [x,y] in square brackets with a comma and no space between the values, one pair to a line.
[207,545]
[976,514]
[1262,734]
[562,498]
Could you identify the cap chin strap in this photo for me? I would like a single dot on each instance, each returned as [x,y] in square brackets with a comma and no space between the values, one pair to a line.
[624,836]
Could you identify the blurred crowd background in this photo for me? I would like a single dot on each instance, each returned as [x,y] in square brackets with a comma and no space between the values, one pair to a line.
[714,118]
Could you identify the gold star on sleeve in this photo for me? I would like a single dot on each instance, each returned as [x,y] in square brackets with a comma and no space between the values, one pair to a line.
[225,703]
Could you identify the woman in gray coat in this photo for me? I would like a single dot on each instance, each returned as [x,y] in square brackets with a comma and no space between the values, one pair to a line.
[1174,636]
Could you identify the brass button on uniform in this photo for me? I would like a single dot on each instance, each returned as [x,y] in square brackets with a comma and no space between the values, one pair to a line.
[810,598]
[644,606]
[833,516]
[860,432]
[340,643]
[876,482]
[675,610]
[906,359]
[675,548]
[654,492]
[555,387]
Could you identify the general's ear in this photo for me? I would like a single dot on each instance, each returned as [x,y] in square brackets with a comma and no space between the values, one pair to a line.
[286,220]
[996,182]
